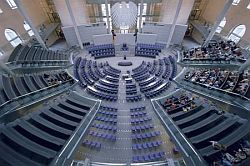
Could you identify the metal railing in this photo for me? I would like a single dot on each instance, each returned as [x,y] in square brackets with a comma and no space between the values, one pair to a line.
[14,103]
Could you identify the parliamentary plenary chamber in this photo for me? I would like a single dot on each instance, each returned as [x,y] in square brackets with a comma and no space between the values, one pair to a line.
[124,82]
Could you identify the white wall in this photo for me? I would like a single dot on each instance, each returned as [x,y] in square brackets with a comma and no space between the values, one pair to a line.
[146,38]
[162,31]
[79,10]
[11,18]
[102,39]
[169,8]
[236,15]
[86,33]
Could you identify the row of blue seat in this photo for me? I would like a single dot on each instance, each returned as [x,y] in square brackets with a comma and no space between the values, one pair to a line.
[135,109]
[146,145]
[150,46]
[141,72]
[106,136]
[140,67]
[111,73]
[100,51]
[109,84]
[134,98]
[105,127]
[112,120]
[148,50]
[112,68]
[142,77]
[138,113]
[148,157]
[112,79]
[92,144]
[158,90]
[147,81]
[106,89]
[101,95]
[139,128]
[140,120]
[130,86]
[130,92]
[108,113]
[97,47]
[151,86]
[143,136]
[108,108]
[104,55]
[146,54]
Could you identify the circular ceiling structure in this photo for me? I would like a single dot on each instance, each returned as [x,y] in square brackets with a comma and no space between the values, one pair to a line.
[124,14]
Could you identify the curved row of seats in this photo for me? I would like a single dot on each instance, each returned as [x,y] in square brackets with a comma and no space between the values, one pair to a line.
[229,82]
[202,123]
[26,53]
[153,77]
[37,138]
[101,80]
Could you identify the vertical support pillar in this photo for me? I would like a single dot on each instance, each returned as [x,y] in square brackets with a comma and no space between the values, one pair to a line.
[140,16]
[107,15]
[23,12]
[74,23]
[218,20]
[171,33]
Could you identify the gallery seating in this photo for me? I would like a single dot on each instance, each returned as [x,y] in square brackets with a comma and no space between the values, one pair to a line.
[26,53]
[202,123]
[229,82]
[216,52]
[38,137]
[23,86]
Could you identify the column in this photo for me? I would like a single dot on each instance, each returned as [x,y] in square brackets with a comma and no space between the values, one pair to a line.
[171,33]
[23,12]
[107,15]
[140,16]
[218,20]
[74,23]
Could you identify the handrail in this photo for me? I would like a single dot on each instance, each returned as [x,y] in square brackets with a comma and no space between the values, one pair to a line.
[28,94]
[63,157]
[35,61]
[187,61]
[156,163]
[197,155]
[220,90]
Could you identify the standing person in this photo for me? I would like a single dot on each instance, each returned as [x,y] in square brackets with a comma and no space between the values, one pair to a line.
[136,31]
[113,34]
